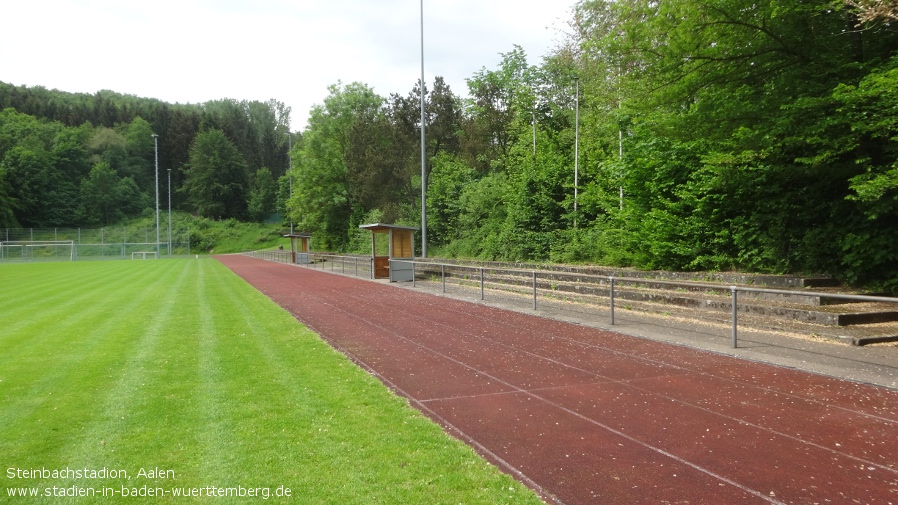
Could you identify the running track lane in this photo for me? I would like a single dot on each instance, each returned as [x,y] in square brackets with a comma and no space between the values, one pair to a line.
[589,416]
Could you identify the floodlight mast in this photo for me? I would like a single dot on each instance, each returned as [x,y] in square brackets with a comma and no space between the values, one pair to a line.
[169,212]
[290,172]
[423,150]
[156,148]
[576,144]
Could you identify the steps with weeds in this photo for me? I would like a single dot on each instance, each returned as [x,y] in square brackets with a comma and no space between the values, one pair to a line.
[709,299]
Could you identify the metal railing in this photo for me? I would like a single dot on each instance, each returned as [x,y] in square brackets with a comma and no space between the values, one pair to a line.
[279,256]
[613,282]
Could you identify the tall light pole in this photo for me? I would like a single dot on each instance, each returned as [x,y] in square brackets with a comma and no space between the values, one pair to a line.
[533,117]
[169,212]
[576,146]
[620,138]
[423,150]
[156,147]
[290,172]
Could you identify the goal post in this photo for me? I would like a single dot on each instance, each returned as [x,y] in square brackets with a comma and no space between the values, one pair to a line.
[37,250]
[143,255]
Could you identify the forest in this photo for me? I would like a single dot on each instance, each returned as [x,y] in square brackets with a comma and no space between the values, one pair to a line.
[689,135]
[75,159]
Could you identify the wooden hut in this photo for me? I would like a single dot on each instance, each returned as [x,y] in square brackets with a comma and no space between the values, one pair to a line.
[400,246]
[299,247]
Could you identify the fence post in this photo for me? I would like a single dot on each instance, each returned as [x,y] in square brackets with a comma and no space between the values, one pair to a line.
[735,336]
[481,283]
[534,290]
[443,276]
[612,299]
[414,281]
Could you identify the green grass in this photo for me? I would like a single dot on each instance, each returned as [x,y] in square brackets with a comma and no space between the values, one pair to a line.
[179,365]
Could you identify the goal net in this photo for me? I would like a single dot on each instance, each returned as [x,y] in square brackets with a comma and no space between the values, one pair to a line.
[142,255]
[43,250]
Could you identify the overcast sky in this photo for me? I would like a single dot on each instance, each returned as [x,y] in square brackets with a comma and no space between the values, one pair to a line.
[192,51]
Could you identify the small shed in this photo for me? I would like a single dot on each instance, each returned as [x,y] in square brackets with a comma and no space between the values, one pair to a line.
[299,247]
[400,246]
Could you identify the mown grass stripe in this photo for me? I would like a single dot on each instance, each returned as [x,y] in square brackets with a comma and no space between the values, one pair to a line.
[121,406]
[60,352]
[202,375]
[50,298]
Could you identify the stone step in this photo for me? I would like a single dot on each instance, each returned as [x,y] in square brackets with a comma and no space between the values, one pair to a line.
[728,278]
[790,306]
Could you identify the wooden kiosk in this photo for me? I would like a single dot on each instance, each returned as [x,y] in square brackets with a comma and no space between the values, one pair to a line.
[400,246]
[299,247]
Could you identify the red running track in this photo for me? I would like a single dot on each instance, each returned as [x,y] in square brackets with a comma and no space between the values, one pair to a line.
[589,416]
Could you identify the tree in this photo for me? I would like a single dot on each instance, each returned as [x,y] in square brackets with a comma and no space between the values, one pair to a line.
[43,164]
[445,186]
[140,150]
[8,204]
[216,177]
[322,201]
[875,10]
[271,122]
[107,198]
[494,104]
[263,197]
[747,125]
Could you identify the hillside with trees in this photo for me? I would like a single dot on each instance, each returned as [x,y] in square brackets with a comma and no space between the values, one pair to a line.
[709,135]
[74,159]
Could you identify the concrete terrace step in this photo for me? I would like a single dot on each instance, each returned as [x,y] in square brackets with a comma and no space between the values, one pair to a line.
[727,278]
[759,309]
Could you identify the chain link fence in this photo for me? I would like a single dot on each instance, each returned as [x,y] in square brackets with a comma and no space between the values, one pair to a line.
[73,244]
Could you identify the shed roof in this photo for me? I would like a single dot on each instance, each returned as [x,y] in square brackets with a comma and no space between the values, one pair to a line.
[382,226]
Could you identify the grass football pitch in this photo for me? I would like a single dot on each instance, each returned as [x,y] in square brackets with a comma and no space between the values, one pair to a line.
[173,381]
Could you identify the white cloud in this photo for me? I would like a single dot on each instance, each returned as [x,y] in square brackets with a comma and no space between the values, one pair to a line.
[199,50]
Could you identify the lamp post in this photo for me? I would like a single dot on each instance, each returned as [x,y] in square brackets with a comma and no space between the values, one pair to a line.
[169,212]
[620,138]
[290,172]
[576,145]
[533,117]
[423,150]
[156,147]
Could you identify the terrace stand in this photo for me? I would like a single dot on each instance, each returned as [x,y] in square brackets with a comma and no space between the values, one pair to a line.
[400,246]
[299,247]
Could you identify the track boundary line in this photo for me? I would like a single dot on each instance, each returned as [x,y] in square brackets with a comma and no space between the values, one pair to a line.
[629,384]
[646,445]
[587,345]
[512,377]
[456,431]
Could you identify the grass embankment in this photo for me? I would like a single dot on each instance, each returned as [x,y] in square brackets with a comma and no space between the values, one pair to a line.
[180,368]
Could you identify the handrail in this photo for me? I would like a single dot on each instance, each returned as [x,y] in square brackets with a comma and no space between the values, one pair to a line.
[613,281]
[734,289]
[640,280]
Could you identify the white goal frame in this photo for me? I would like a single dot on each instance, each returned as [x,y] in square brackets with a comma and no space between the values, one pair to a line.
[143,254]
[27,247]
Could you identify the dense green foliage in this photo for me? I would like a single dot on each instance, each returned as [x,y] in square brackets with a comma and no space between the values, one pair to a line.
[71,159]
[204,235]
[711,135]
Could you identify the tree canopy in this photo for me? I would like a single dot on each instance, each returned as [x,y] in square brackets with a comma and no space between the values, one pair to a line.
[709,135]
[58,149]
